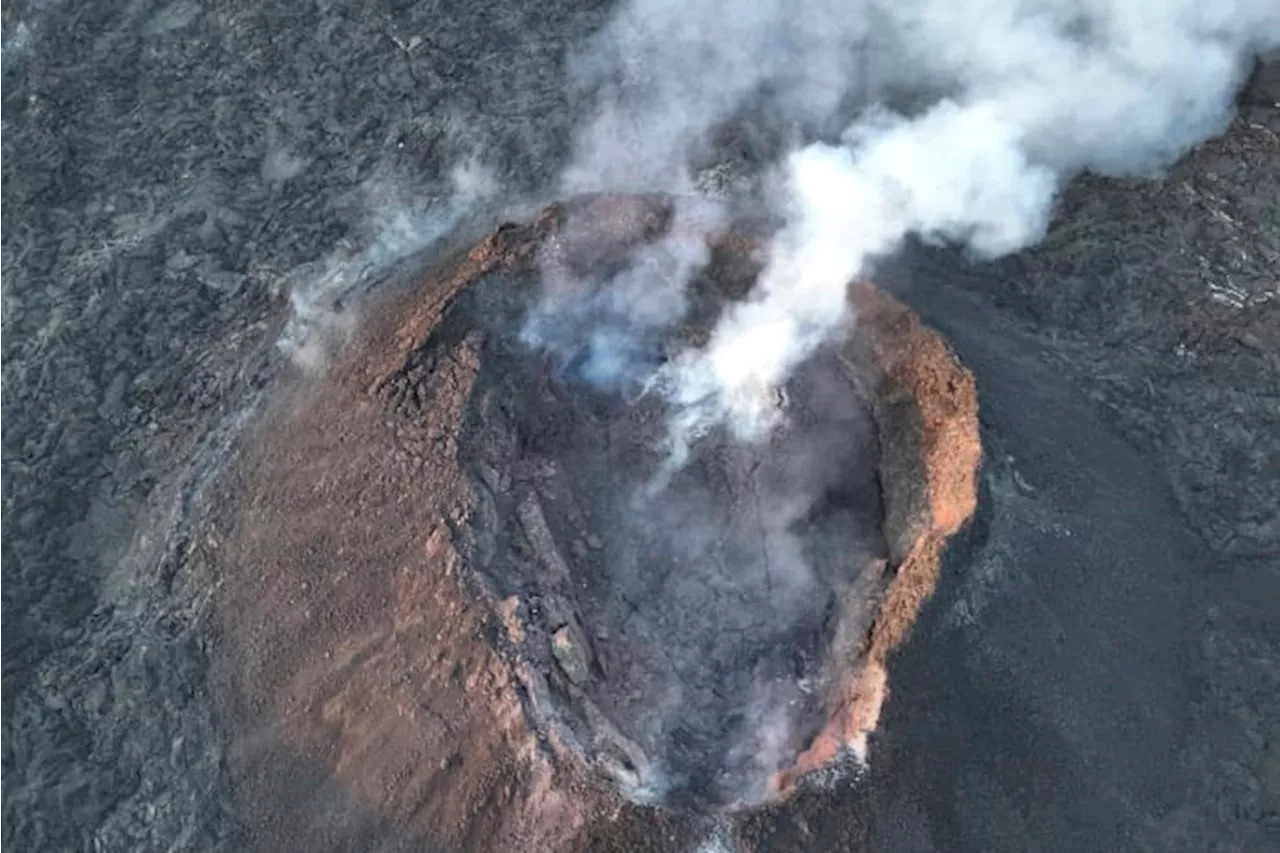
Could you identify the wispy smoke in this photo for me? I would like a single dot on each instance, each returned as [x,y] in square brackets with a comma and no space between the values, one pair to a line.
[604,318]
[720,841]
[664,73]
[320,294]
[961,119]
[14,43]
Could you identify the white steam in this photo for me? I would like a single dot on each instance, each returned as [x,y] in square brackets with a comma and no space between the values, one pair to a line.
[320,293]
[607,327]
[666,72]
[721,841]
[850,204]
[1009,99]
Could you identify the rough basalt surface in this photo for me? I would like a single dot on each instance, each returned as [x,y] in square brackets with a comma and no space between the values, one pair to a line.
[1098,671]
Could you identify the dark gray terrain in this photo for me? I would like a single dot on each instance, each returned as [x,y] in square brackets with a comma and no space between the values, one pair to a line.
[1100,668]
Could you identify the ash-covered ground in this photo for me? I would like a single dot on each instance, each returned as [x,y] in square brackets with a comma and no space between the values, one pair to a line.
[1100,668]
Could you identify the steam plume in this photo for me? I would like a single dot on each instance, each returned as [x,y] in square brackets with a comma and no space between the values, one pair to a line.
[962,119]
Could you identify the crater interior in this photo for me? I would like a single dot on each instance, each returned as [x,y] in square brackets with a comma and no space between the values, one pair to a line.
[679,633]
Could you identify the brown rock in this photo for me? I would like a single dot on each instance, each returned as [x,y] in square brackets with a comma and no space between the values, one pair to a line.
[509,610]
[569,646]
[926,409]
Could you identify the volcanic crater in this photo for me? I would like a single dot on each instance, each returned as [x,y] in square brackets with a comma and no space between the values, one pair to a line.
[703,636]
[685,632]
